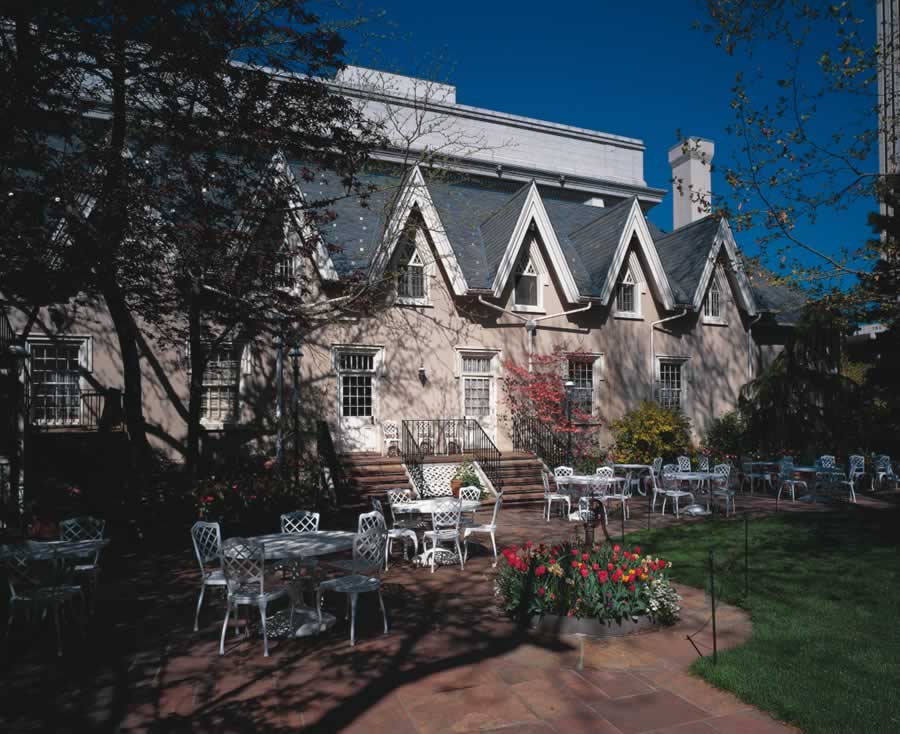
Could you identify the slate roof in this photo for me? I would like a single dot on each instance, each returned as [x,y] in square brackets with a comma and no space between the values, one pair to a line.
[479,215]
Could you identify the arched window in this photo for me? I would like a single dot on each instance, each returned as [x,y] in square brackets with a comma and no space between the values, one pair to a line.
[527,282]
[712,305]
[626,295]
[411,282]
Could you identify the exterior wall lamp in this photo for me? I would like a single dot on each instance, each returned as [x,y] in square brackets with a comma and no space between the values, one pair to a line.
[423,375]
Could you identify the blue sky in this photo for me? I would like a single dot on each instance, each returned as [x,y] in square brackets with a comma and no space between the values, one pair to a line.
[637,69]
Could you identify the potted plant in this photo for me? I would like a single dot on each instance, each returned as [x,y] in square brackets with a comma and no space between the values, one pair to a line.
[466,476]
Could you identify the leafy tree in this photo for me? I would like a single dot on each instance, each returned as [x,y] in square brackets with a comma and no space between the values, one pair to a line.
[139,165]
[649,431]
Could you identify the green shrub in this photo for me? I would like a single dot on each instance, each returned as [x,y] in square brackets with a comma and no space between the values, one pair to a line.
[650,431]
[726,438]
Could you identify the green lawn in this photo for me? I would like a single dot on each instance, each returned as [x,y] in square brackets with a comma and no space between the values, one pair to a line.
[825,602]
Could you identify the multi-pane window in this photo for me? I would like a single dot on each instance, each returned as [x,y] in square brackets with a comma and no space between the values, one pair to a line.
[626,294]
[55,378]
[221,382]
[670,388]
[526,290]
[356,372]
[581,373]
[411,281]
[477,376]
[712,305]
[285,271]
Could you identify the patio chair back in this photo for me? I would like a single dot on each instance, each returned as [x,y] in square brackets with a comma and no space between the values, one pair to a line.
[390,430]
[370,544]
[668,476]
[684,463]
[561,472]
[299,521]
[703,463]
[207,537]
[826,461]
[446,514]
[369,520]
[604,472]
[545,478]
[472,494]
[857,465]
[24,571]
[656,466]
[497,504]
[723,473]
[82,528]
[244,566]
[398,497]
[786,468]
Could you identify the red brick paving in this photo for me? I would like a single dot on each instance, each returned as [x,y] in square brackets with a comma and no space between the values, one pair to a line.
[451,663]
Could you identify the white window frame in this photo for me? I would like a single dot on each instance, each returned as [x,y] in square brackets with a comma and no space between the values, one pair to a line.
[291,239]
[683,362]
[628,280]
[715,283]
[377,354]
[533,262]
[492,374]
[85,363]
[596,362]
[421,251]
[243,358]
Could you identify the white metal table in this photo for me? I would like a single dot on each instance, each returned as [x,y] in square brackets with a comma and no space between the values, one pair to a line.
[297,546]
[640,469]
[426,507]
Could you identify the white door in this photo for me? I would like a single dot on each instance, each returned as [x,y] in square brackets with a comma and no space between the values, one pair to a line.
[478,393]
[357,399]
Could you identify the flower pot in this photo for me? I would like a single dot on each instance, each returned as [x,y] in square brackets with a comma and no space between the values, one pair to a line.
[558,625]
[455,486]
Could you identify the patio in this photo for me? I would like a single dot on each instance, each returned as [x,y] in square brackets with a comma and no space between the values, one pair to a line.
[450,662]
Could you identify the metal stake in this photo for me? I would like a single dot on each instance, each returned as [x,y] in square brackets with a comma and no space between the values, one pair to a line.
[746,556]
[712,594]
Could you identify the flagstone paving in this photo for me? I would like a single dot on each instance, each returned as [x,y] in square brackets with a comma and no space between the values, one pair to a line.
[451,662]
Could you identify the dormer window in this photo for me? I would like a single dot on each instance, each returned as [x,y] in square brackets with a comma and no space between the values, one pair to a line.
[412,277]
[627,297]
[527,290]
[712,304]
[286,271]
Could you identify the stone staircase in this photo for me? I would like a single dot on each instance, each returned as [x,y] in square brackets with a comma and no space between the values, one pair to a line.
[366,474]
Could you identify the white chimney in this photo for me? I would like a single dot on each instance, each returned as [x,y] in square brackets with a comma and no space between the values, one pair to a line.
[691,163]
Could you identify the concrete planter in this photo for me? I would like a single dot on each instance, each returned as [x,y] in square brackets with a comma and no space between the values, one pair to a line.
[553,624]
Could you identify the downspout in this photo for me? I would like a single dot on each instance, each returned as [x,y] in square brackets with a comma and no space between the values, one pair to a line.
[653,326]
[531,324]
[750,346]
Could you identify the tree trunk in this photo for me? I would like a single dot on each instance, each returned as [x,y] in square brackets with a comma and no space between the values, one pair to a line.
[195,397]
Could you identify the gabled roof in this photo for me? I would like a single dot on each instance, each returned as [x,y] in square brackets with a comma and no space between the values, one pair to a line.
[684,253]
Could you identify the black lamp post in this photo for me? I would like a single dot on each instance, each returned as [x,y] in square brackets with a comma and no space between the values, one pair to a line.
[570,394]
[295,354]
[279,403]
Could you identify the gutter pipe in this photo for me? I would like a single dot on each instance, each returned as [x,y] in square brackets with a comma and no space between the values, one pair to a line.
[653,326]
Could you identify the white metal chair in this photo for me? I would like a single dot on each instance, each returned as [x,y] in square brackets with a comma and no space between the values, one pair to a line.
[551,497]
[207,537]
[470,494]
[444,529]
[369,548]
[754,476]
[36,583]
[244,567]
[720,488]
[655,469]
[85,528]
[616,491]
[672,488]
[884,472]
[656,487]
[703,463]
[857,470]
[299,521]
[359,564]
[488,529]
[684,463]
[787,480]
[390,437]
[396,533]
[826,461]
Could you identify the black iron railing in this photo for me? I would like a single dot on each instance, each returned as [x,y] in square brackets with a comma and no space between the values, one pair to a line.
[455,436]
[7,333]
[413,456]
[94,411]
[530,434]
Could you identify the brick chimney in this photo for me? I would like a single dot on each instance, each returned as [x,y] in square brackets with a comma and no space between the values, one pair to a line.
[691,162]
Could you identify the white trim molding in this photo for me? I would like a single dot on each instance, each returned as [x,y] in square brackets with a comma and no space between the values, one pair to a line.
[743,292]
[414,195]
[533,211]
[636,226]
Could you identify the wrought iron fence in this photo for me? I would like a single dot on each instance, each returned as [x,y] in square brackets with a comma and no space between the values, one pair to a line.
[96,410]
[530,434]
[451,437]
[412,456]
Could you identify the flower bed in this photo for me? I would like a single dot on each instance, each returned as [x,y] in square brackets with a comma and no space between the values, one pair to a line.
[603,582]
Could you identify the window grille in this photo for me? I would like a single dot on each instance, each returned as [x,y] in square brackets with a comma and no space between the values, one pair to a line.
[356,374]
[476,385]
[712,306]
[670,384]
[285,271]
[220,385]
[581,372]
[526,291]
[625,295]
[56,390]
[411,283]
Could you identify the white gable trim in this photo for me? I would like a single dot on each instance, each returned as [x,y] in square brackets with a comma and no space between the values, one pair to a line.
[725,238]
[414,194]
[636,226]
[296,204]
[533,210]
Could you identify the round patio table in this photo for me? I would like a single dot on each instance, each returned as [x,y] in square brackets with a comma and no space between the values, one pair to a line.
[297,546]
[639,468]
[426,507]
[45,549]
[587,485]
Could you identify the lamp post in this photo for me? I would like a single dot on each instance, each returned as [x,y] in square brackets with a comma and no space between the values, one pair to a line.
[279,402]
[570,393]
[295,354]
